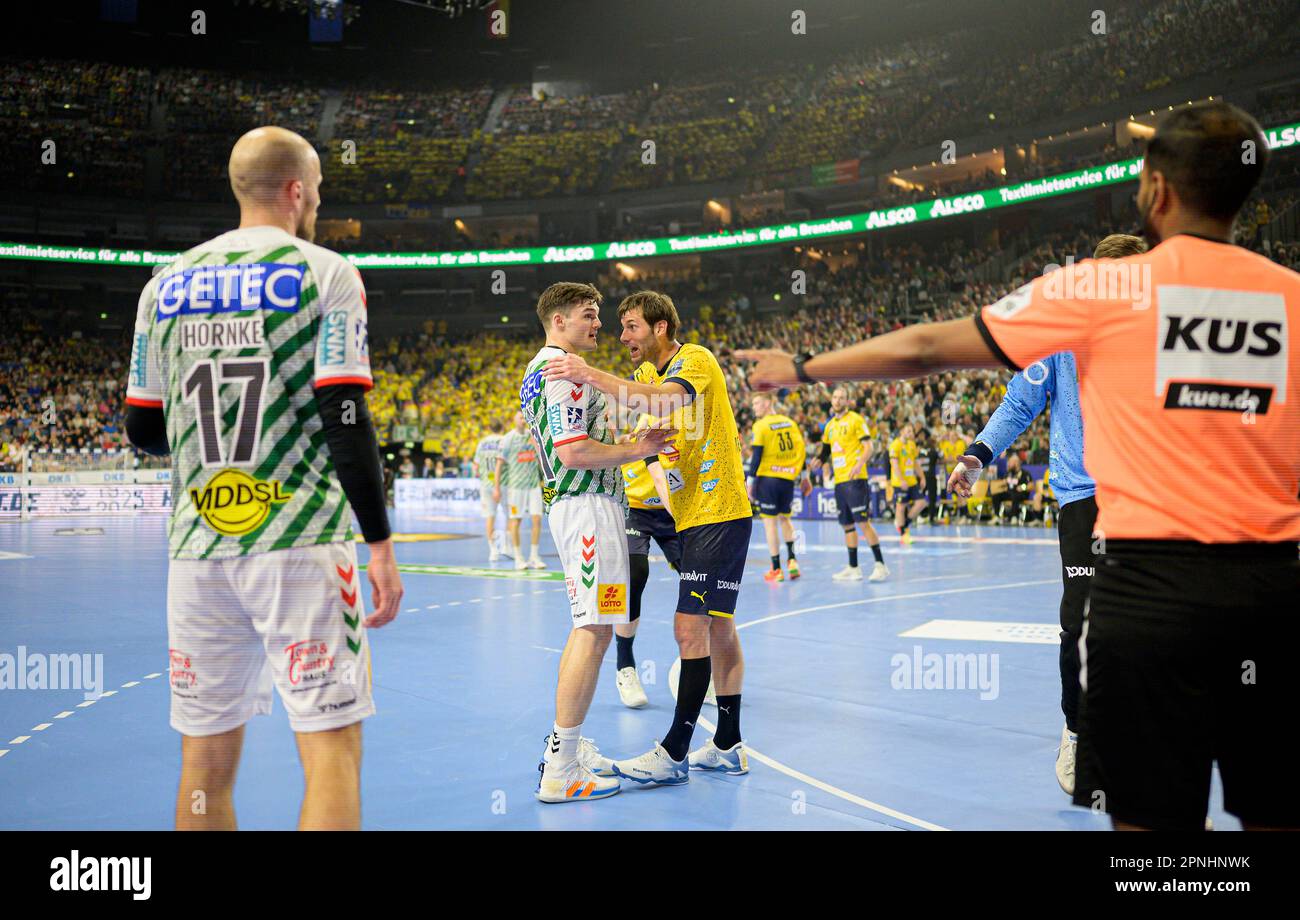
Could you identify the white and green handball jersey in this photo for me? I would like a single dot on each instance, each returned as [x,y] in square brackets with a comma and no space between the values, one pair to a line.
[485,456]
[231,340]
[521,469]
[560,412]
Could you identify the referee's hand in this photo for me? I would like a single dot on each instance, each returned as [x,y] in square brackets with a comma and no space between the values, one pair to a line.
[385,582]
[964,475]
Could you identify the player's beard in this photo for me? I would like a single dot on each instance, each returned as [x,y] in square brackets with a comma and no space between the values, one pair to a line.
[1149,232]
[307,227]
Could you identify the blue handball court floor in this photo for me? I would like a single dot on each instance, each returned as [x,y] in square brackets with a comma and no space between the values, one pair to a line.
[928,702]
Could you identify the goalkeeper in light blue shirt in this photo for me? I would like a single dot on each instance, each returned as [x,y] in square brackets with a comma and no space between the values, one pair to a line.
[1028,393]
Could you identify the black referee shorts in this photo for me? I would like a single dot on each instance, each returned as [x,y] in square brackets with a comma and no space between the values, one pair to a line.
[1188,659]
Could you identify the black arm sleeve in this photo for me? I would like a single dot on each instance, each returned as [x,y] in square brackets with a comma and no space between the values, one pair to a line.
[755,458]
[354,449]
[981,450]
[826,452]
[146,428]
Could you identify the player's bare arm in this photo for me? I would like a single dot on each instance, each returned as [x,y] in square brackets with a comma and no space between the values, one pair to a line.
[916,351]
[590,454]
[663,400]
[660,480]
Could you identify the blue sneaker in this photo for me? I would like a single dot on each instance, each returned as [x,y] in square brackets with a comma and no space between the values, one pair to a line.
[733,761]
[654,768]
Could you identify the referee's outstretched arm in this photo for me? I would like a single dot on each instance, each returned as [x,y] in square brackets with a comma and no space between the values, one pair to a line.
[916,351]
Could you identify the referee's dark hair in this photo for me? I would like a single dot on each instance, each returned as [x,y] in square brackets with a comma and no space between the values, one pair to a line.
[1213,153]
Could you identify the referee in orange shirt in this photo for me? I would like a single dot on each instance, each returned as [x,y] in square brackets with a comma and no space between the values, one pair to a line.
[1189,363]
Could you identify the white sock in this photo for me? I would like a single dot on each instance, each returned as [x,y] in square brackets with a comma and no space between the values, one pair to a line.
[568,739]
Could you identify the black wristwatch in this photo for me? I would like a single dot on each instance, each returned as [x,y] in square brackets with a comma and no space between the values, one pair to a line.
[799,361]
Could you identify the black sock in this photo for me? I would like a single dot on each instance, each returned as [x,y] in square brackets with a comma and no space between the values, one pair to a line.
[624,646]
[728,732]
[789,549]
[853,557]
[692,685]
[776,561]
[875,551]
[902,528]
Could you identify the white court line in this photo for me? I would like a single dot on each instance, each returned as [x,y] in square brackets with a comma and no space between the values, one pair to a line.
[547,648]
[131,683]
[412,610]
[83,705]
[64,714]
[432,607]
[19,740]
[912,581]
[42,726]
[4,751]
[153,675]
[109,693]
[827,787]
[896,597]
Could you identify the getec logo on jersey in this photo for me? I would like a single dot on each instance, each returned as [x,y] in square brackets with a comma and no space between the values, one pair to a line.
[230,289]
[233,503]
[1221,350]
[531,386]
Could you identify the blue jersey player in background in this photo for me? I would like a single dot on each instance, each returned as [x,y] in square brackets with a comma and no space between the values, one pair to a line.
[1056,379]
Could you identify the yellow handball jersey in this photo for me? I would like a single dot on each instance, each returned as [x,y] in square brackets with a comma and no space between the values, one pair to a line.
[783,447]
[844,433]
[902,463]
[708,461]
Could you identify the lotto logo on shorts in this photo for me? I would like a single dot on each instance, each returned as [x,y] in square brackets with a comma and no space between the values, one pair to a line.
[612,599]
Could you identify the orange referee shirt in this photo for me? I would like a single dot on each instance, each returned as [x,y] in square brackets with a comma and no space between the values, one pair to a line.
[1187,358]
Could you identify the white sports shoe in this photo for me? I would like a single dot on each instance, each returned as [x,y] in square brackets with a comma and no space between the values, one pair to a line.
[573,783]
[733,761]
[494,554]
[630,690]
[879,572]
[1065,760]
[588,755]
[654,768]
[520,563]
[848,573]
[536,563]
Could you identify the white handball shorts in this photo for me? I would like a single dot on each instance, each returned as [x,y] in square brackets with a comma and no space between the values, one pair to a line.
[589,533]
[486,502]
[289,618]
[525,502]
